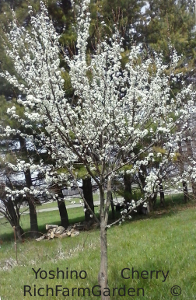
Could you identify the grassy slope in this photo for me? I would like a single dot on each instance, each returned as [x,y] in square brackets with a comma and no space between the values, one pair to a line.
[166,241]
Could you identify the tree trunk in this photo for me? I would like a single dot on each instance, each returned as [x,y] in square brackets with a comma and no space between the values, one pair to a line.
[184,183]
[32,207]
[63,213]
[190,154]
[193,184]
[14,218]
[112,207]
[185,191]
[142,176]
[127,188]
[103,274]
[152,201]
[33,218]
[19,232]
[88,196]
[162,196]
[62,209]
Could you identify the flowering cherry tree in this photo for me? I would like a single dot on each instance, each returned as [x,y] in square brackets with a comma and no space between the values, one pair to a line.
[114,108]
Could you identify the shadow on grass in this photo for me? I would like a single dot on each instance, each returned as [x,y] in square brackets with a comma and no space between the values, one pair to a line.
[9,235]
[173,204]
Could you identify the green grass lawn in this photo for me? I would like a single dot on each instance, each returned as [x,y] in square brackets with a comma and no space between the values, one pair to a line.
[52,204]
[68,201]
[164,241]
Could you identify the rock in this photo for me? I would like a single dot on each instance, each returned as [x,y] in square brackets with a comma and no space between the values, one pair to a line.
[63,235]
[75,233]
[60,230]
[51,226]
[68,233]
[52,235]
[40,238]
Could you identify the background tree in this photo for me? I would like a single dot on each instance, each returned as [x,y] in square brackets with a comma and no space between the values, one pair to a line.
[170,22]
[13,148]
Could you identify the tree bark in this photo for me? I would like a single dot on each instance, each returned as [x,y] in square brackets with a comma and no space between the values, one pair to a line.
[88,196]
[103,275]
[127,188]
[190,154]
[142,176]
[33,219]
[185,191]
[112,207]
[193,189]
[32,207]
[62,209]
[181,168]
[152,201]
[63,213]
[14,218]
[19,232]
[162,196]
